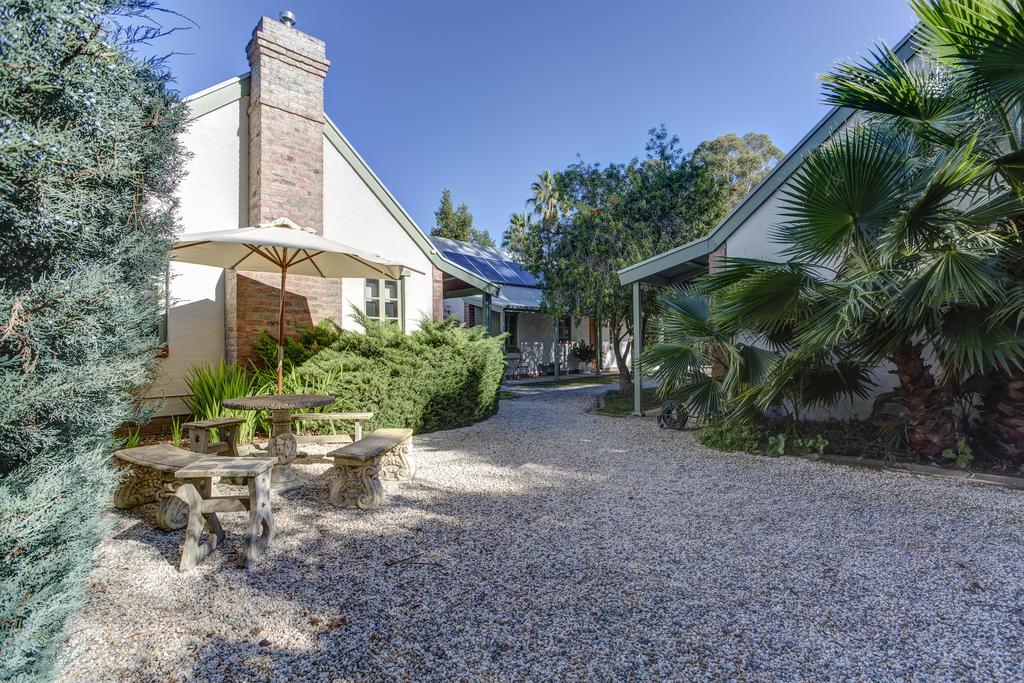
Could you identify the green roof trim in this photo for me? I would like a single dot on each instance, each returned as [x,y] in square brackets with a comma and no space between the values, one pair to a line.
[232,90]
[217,96]
[670,265]
[362,169]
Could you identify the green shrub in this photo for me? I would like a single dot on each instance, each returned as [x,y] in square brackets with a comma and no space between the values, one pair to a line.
[311,341]
[89,161]
[438,377]
[210,385]
[726,435]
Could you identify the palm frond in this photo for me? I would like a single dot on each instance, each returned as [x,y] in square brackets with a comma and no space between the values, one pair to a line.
[885,84]
[936,192]
[982,41]
[844,194]
[952,276]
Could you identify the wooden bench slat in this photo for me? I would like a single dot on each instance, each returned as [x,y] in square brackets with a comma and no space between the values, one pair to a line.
[215,423]
[381,441]
[220,466]
[161,457]
[348,417]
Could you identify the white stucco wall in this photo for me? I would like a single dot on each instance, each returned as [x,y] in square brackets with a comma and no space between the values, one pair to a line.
[213,196]
[754,239]
[354,216]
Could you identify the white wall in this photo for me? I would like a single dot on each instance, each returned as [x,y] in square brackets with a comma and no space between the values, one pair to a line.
[354,216]
[213,196]
[753,239]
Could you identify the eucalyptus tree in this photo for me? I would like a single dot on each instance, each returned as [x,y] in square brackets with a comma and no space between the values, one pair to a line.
[902,234]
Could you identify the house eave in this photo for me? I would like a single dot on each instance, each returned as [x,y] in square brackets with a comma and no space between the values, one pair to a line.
[667,266]
[233,89]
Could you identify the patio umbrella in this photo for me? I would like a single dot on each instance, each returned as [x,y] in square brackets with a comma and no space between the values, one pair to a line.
[284,247]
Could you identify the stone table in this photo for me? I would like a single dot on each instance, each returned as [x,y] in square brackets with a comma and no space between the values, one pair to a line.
[281,446]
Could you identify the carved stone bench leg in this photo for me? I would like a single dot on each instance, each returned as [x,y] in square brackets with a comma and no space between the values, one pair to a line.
[192,551]
[145,485]
[141,486]
[357,484]
[172,512]
[398,464]
[261,520]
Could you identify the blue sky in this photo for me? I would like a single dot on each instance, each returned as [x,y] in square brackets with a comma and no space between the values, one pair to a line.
[479,96]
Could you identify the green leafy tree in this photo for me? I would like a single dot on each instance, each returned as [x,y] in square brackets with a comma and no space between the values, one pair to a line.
[592,220]
[89,161]
[444,219]
[481,237]
[741,162]
[457,223]
[903,234]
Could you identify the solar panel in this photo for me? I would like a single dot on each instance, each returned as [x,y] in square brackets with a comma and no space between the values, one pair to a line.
[500,271]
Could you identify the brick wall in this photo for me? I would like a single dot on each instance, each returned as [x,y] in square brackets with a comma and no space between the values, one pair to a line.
[437,294]
[716,257]
[286,147]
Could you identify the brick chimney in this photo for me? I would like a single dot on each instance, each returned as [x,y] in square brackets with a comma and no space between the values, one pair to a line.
[286,167]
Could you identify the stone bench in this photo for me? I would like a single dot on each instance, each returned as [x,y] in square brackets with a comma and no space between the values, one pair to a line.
[181,482]
[151,480]
[359,466]
[203,506]
[200,431]
[356,419]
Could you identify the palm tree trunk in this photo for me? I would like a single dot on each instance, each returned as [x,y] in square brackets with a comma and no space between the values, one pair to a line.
[931,424]
[1002,416]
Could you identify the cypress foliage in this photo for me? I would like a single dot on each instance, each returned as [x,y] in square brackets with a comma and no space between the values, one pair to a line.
[89,160]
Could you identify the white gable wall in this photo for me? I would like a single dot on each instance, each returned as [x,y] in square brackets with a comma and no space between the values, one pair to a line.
[753,239]
[213,195]
[353,215]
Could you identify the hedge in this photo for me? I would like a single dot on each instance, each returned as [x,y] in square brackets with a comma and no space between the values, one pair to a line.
[440,376]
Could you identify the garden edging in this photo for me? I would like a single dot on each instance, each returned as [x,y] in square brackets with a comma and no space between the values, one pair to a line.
[1016,483]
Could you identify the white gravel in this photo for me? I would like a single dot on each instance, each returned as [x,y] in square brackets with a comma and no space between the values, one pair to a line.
[547,543]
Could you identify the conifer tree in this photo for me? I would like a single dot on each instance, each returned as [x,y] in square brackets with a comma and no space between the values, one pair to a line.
[89,161]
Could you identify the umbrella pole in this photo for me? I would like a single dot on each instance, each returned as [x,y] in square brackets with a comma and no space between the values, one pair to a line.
[280,334]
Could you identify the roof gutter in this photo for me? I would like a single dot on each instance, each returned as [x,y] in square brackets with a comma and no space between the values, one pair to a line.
[648,270]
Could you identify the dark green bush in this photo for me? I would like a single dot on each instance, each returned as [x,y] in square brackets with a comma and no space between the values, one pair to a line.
[439,377]
[727,435]
[311,341]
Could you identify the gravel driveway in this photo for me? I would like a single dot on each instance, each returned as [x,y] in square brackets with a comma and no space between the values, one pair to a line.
[548,543]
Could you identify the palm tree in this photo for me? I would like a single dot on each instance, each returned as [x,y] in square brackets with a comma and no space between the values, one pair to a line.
[545,199]
[715,372]
[518,236]
[903,234]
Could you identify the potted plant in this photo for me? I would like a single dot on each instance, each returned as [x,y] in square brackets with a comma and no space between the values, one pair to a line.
[583,352]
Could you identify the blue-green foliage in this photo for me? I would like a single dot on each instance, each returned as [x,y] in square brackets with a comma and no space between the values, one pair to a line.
[438,377]
[89,160]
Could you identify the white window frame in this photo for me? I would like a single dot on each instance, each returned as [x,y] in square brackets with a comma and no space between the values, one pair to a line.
[382,300]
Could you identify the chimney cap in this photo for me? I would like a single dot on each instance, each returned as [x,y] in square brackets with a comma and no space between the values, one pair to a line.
[287,18]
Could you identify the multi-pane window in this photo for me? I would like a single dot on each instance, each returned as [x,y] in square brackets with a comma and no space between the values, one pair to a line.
[383,300]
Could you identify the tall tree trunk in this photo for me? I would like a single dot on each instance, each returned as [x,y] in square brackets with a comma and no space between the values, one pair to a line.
[931,424]
[1002,416]
[625,376]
